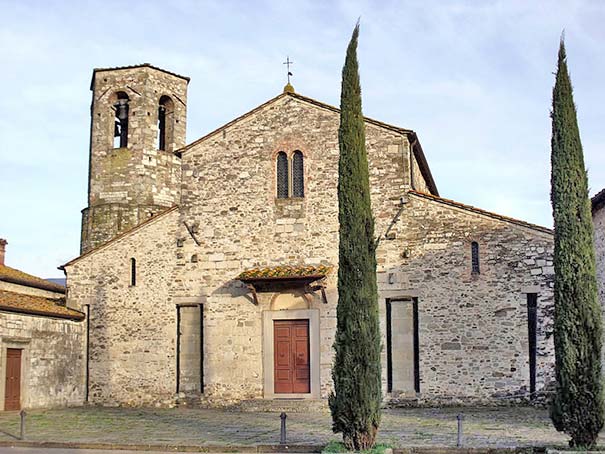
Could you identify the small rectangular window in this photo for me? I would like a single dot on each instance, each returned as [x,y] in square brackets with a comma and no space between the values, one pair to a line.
[475,257]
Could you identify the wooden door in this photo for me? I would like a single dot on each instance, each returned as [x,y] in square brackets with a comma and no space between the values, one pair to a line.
[12,390]
[291,356]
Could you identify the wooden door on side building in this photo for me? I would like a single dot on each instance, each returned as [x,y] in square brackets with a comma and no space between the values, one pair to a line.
[12,389]
[291,357]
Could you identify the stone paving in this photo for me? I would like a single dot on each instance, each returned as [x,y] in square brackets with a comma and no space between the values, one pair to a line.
[483,427]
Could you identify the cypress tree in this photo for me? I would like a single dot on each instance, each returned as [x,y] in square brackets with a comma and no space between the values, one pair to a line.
[577,408]
[355,402]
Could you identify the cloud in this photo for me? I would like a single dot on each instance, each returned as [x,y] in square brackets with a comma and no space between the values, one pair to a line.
[474,79]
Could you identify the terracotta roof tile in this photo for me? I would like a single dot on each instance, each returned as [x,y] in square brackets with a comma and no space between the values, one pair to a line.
[37,305]
[482,212]
[8,274]
[287,272]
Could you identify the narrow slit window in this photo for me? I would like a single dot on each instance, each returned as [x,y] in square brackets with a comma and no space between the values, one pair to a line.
[133,272]
[298,175]
[120,132]
[282,175]
[475,257]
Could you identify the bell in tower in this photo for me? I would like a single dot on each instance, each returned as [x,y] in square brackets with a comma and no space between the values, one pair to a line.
[121,121]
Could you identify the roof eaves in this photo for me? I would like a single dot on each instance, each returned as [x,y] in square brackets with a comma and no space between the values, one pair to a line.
[423,163]
[186,148]
[306,99]
[120,236]
[490,214]
[77,316]
[598,200]
[33,283]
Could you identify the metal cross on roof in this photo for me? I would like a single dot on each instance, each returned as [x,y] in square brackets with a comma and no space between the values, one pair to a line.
[288,63]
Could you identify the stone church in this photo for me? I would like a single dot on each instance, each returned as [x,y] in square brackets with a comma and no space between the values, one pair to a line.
[208,269]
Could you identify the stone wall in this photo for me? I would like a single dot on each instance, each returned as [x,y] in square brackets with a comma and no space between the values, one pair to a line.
[598,218]
[128,185]
[132,328]
[52,362]
[229,195]
[473,328]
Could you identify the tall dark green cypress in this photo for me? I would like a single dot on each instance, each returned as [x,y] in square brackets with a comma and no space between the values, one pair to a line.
[355,402]
[577,408]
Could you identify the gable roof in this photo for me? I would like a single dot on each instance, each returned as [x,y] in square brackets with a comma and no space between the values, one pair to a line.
[598,201]
[141,65]
[14,276]
[120,236]
[37,305]
[483,212]
[412,136]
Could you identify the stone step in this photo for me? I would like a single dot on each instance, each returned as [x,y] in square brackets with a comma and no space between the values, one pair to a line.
[197,400]
[284,405]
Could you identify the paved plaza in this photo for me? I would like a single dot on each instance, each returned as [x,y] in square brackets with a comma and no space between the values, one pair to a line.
[483,427]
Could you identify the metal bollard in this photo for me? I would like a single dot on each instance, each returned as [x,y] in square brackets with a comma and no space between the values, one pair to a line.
[282,433]
[22,434]
[459,417]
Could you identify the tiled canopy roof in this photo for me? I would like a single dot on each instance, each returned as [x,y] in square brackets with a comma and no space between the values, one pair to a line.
[8,274]
[285,272]
[36,305]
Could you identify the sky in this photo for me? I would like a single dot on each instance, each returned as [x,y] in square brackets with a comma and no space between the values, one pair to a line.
[473,78]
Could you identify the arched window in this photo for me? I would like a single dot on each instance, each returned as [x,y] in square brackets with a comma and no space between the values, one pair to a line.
[165,115]
[282,175]
[475,257]
[133,272]
[120,132]
[298,175]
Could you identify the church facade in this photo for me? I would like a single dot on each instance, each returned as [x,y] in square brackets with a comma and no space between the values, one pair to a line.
[208,269]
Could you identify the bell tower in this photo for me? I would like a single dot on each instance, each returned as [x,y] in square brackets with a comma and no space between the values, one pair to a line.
[138,120]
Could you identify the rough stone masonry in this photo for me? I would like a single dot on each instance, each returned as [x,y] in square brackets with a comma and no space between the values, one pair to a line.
[170,317]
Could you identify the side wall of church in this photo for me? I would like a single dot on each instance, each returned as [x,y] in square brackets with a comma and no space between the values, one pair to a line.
[132,327]
[52,359]
[473,328]
[598,218]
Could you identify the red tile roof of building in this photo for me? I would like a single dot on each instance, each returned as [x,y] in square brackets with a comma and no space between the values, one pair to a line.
[37,305]
[8,274]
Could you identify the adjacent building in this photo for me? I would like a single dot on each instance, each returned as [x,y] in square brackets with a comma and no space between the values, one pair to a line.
[41,343]
[209,270]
